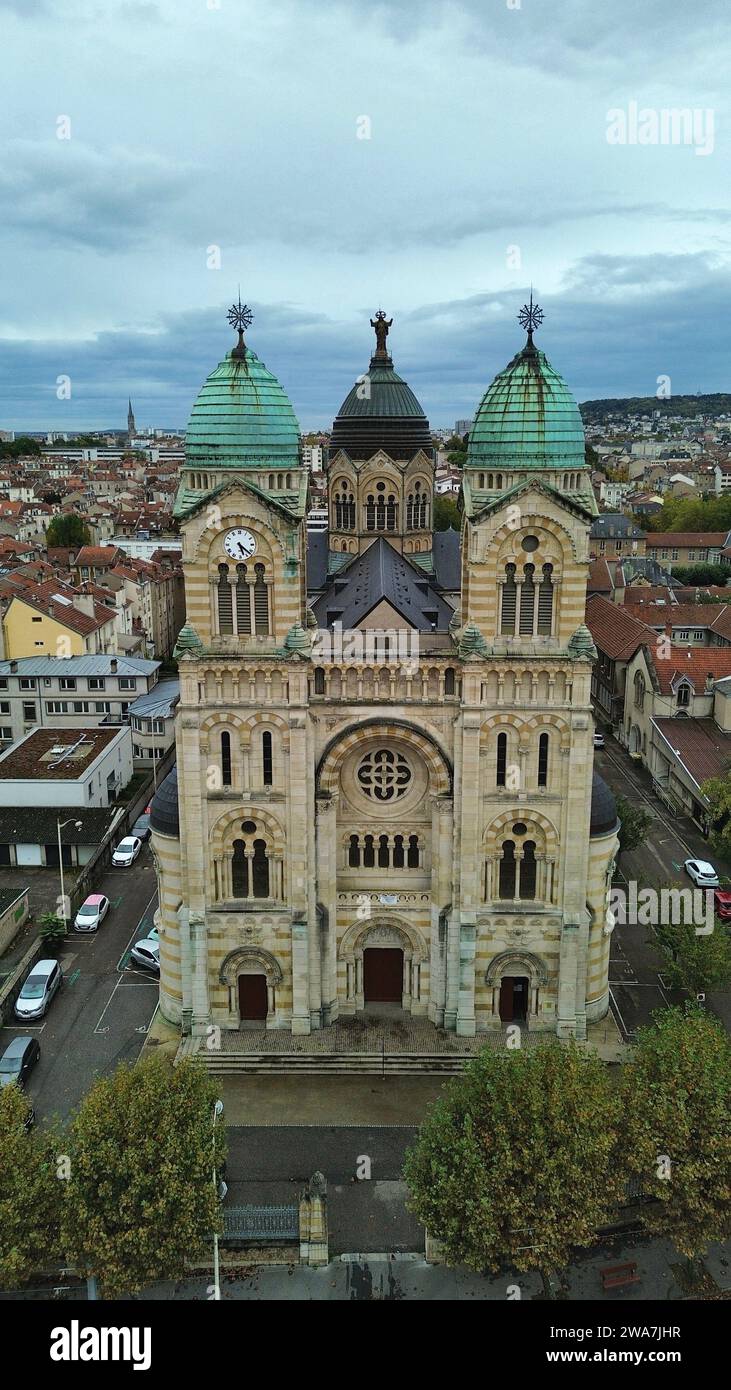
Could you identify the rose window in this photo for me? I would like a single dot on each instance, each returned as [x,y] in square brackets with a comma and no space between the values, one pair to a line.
[384,775]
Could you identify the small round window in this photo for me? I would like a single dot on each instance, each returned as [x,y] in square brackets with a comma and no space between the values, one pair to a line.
[248,827]
[384,775]
[519,828]
[530,542]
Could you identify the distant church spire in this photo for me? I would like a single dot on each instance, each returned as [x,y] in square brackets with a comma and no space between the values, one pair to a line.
[131,427]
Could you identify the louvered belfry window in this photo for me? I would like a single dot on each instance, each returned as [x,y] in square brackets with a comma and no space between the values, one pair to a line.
[509,596]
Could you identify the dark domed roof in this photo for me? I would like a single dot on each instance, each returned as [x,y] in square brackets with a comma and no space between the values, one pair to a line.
[603,808]
[384,414]
[164,813]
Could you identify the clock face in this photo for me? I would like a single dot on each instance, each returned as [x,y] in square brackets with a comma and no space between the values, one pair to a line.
[239,544]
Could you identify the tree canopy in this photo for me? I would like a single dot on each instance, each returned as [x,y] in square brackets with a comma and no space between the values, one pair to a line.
[31,1193]
[69,530]
[446,514]
[634,824]
[676,1098]
[140,1201]
[515,1165]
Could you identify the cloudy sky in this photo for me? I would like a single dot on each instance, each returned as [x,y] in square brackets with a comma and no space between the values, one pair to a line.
[434,157]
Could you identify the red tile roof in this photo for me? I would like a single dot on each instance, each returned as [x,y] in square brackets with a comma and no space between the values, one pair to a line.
[683,539]
[600,580]
[703,748]
[616,632]
[694,662]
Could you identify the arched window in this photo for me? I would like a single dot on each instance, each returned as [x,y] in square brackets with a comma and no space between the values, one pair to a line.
[266,757]
[261,602]
[370,512]
[527,601]
[481,480]
[528,871]
[380,507]
[543,760]
[243,601]
[369,853]
[398,852]
[502,758]
[423,511]
[354,852]
[383,852]
[391,513]
[260,870]
[509,597]
[338,512]
[226,759]
[412,853]
[410,512]
[499,481]
[449,681]
[351,512]
[319,680]
[545,602]
[240,871]
[507,871]
[225,602]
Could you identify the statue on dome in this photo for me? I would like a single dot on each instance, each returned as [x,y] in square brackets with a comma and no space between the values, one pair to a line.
[381,325]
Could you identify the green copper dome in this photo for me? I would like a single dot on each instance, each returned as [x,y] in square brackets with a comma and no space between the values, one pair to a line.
[242,418]
[527,418]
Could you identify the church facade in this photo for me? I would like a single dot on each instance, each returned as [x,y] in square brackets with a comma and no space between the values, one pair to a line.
[384,790]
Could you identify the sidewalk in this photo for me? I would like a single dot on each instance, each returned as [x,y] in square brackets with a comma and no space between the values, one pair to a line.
[664,1276]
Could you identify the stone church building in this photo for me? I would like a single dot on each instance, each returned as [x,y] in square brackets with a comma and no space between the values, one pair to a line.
[384,791]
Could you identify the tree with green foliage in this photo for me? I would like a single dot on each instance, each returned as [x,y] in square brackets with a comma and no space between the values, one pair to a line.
[717,792]
[31,1193]
[516,1163]
[676,1097]
[695,962]
[69,530]
[141,1201]
[52,929]
[22,447]
[702,574]
[634,824]
[446,514]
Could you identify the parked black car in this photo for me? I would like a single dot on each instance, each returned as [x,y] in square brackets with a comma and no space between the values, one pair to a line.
[18,1061]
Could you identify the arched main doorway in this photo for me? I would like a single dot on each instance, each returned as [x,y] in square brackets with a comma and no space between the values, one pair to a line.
[253,978]
[383,975]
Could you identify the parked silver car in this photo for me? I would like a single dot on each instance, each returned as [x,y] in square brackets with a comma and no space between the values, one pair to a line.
[38,989]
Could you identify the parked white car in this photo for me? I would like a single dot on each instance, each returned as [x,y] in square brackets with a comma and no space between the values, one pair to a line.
[598,740]
[702,873]
[38,989]
[92,912]
[147,952]
[126,852]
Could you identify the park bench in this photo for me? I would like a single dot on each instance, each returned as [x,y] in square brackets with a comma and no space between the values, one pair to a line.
[618,1276]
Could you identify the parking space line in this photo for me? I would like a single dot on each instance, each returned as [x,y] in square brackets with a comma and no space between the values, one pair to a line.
[98,1029]
[13,1027]
[121,961]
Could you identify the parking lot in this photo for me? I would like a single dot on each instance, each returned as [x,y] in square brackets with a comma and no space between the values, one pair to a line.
[103,1011]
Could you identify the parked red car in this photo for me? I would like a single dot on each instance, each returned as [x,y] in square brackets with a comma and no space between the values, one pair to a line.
[722,904]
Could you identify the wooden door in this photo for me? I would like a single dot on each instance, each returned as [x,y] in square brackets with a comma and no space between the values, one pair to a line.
[383,975]
[253,1002]
[506,999]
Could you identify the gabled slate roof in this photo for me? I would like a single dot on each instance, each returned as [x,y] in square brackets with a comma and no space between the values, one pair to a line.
[382,574]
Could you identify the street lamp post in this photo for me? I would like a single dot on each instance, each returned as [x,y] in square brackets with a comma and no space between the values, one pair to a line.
[217,1111]
[60,825]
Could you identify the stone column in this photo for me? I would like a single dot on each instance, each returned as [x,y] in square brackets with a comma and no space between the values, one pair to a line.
[326,877]
[466,1009]
[199,962]
[300,979]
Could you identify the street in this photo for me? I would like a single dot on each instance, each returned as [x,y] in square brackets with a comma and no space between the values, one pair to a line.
[636,986]
[101,1014]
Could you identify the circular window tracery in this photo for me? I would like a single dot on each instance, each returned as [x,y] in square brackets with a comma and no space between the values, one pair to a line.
[384,775]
